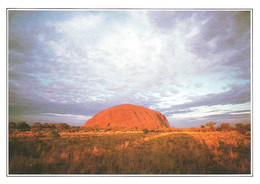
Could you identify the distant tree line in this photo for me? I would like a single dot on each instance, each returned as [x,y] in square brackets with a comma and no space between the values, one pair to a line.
[23,126]
[54,128]
[239,127]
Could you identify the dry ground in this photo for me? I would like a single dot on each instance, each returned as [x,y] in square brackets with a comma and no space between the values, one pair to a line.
[130,152]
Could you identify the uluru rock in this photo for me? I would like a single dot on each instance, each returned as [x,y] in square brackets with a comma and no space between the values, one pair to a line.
[128,116]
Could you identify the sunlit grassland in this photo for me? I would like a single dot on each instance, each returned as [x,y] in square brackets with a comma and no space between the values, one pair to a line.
[130,152]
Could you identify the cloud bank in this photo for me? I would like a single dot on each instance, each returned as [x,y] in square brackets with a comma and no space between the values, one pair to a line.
[67,66]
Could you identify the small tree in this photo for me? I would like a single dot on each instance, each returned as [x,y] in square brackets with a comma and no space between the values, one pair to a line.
[248,127]
[37,127]
[23,126]
[53,133]
[202,126]
[12,125]
[225,127]
[211,125]
[146,131]
[62,126]
[49,125]
[241,128]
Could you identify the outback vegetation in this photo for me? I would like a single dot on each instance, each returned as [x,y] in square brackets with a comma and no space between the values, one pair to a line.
[62,149]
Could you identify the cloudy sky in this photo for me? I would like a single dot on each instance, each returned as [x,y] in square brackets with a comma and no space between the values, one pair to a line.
[192,66]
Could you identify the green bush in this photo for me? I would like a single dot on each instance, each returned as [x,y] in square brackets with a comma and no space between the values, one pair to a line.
[224,127]
[53,134]
[242,128]
[146,131]
[23,126]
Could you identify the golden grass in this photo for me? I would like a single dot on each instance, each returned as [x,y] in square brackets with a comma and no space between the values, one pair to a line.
[171,151]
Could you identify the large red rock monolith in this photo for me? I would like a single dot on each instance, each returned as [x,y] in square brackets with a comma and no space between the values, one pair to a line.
[128,116]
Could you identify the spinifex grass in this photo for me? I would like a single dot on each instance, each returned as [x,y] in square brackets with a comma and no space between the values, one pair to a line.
[130,153]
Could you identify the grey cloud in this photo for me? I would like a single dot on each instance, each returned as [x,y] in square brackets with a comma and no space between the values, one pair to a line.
[218,118]
[42,81]
[222,38]
[229,30]
[177,112]
[90,108]
[225,118]
[24,27]
[166,20]
[241,111]
[238,94]
[225,39]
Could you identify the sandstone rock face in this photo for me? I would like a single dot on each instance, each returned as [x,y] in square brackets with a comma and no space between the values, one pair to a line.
[128,116]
